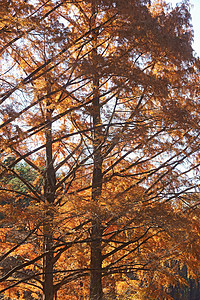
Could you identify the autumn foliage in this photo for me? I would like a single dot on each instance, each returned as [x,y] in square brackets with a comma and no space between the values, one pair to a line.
[99,141]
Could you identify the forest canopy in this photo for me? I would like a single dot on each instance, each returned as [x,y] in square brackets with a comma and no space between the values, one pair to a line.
[99,150]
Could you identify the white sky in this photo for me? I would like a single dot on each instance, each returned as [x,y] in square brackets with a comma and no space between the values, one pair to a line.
[195,12]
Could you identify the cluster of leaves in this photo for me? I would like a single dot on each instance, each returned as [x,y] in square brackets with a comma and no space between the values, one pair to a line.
[15,183]
[99,141]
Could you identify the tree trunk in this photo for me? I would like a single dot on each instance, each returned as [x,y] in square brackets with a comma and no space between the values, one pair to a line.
[96,228]
[96,292]
[48,290]
[49,193]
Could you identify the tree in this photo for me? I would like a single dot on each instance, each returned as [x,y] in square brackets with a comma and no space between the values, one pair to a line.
[98,97]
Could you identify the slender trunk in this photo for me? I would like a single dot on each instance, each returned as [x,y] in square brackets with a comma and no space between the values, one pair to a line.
[49,193]
[96,228]
[96,292]
[48,291]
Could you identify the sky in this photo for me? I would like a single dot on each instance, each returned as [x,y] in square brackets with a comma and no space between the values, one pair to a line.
[195,12]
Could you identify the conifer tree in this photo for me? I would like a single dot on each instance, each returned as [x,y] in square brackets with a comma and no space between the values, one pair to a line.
[99,98]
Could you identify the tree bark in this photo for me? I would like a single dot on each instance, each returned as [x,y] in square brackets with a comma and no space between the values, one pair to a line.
[96,292]
[49,193]
[48,290]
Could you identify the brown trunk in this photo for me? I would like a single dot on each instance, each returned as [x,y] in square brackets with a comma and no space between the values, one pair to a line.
[48,291]
[96,228]
[49,193]
[96,292]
